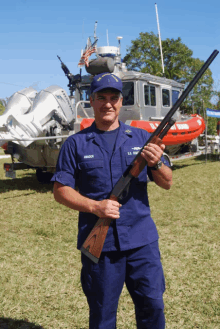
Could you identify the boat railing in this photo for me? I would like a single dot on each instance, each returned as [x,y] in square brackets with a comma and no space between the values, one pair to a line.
[80,105]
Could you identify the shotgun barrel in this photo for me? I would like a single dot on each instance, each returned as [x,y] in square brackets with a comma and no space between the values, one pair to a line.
[92,247]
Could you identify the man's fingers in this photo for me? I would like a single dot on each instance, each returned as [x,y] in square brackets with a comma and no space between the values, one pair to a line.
[155,147]
[152,150]
[108,209]
[116,204]
[112,204]
[152,153]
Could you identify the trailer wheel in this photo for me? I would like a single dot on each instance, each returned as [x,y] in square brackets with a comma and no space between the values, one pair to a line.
[43,177]
[193,148]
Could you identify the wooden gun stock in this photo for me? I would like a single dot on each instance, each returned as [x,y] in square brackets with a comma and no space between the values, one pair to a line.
[92,247]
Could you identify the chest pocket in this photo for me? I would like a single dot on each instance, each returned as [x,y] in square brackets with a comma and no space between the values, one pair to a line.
[130,153]
[91,175]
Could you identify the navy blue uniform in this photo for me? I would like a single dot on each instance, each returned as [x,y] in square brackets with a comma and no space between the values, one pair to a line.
[130,253]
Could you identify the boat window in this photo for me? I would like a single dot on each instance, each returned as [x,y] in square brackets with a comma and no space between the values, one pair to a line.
[128,93]
[166,97]
[175,96]
[85,94]
[150,95]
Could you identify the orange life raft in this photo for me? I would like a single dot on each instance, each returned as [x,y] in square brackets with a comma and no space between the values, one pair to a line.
[181,132]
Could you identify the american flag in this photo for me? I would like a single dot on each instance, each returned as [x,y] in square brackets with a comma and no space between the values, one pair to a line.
[89,50]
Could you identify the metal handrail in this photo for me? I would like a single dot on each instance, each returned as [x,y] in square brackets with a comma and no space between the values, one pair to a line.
[80,104]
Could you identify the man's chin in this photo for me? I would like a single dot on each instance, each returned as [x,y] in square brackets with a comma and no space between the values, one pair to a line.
[108,119]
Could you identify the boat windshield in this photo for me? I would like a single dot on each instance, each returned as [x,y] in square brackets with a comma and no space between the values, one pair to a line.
[128,93]
[175,96]
[149,95]
[166,97]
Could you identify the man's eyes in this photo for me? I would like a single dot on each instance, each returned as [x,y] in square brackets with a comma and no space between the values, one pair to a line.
[114,98]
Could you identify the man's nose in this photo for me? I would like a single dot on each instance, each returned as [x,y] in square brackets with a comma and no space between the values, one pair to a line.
[108,104]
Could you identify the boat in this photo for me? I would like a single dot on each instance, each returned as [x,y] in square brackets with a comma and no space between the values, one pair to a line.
[146,100]
[34,137]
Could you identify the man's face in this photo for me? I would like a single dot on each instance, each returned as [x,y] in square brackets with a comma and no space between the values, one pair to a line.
[106,105]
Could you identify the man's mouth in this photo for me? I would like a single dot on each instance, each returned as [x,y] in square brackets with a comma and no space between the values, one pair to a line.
[107,111]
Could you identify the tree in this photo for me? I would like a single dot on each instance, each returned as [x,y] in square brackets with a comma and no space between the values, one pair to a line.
[2,108]
[199,98]
[144,56]
[216,98]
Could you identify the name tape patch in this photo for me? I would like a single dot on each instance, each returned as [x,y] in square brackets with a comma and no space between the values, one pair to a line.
[89,156]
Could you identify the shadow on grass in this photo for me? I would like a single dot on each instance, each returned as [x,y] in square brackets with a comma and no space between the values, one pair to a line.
[28,182]
[7,323]
[196,161]
[210,157]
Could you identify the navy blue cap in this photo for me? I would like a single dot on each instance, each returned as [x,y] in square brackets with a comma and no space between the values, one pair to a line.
[105,80]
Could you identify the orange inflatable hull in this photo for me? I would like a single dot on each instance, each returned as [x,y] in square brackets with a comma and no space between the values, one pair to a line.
[180,133]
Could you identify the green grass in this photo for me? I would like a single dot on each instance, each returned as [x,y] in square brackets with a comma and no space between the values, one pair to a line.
[40,265]
[2,151]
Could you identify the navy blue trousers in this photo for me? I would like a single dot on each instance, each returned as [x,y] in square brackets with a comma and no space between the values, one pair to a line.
[141,270]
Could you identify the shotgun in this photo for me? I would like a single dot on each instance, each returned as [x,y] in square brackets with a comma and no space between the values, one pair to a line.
[92,247]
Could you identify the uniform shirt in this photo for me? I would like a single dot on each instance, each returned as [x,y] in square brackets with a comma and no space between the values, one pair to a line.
[84,163]
[108,139]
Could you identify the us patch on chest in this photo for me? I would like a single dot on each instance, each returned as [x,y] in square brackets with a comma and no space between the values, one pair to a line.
[133,150]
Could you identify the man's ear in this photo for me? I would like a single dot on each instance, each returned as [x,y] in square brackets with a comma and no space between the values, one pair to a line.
[91,101]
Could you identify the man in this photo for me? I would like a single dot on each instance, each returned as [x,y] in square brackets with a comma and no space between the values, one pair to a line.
[93,160]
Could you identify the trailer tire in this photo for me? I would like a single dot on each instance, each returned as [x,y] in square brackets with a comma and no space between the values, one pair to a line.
[193,148]
[43,177]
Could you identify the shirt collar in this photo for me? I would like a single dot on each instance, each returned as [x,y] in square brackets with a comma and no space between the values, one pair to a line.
[92,131]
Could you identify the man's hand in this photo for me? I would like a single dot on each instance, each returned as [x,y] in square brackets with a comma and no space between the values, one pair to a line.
[73,199]
[152,153]
[107,209]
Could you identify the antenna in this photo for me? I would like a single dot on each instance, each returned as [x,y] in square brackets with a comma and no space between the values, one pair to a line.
[95,27]
[158,27]
[119,44]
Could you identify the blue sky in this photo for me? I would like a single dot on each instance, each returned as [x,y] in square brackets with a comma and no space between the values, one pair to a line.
[34,32]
